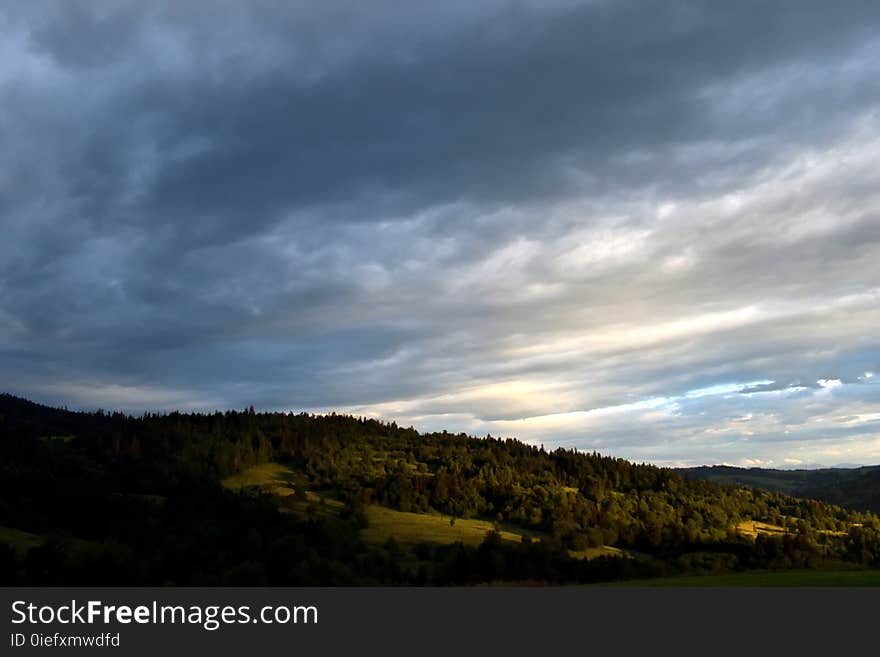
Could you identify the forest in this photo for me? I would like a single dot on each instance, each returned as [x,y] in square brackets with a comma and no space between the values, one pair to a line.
[104,498]
[857,488]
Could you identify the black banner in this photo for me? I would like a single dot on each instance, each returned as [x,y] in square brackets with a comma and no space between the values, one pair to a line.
[228,621]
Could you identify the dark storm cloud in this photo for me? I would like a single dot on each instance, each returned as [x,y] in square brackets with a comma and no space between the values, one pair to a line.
[457,213]
[494,112]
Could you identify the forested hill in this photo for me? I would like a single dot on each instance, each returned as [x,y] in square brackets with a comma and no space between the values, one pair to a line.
[275,498]
[854,488]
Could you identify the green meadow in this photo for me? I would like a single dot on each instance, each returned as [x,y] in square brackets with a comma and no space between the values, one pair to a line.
[20,541]
[383,523]
[765,579]
[412,528]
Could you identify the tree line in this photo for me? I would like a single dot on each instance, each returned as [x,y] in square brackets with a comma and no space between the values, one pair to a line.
[137,500]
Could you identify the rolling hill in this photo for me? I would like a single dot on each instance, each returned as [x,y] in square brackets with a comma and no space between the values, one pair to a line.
[246,498]
[854,488]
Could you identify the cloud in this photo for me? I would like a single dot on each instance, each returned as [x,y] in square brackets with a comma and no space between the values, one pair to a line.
[558,220]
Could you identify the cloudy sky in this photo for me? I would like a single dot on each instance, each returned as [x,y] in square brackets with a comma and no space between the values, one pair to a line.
[649,231]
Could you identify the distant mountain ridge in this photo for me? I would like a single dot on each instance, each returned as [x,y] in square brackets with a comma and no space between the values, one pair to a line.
[854,488]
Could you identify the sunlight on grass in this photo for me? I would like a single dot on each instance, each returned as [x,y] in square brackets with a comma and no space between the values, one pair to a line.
[274,477]
[428,528]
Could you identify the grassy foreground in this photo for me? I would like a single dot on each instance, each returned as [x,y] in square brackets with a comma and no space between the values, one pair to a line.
[766,579]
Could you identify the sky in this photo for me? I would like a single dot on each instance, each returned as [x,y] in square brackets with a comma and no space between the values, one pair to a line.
[647,230]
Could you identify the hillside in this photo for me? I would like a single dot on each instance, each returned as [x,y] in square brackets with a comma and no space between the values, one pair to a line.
[251,498]
[853,488]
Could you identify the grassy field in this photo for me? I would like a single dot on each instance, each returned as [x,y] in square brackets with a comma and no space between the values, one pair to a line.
[407,528]
[411,528]
[273,477]
[601,551]
[19,540]
[63,439]
[766,578]
[383,523]
[752,528]
[22,541]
